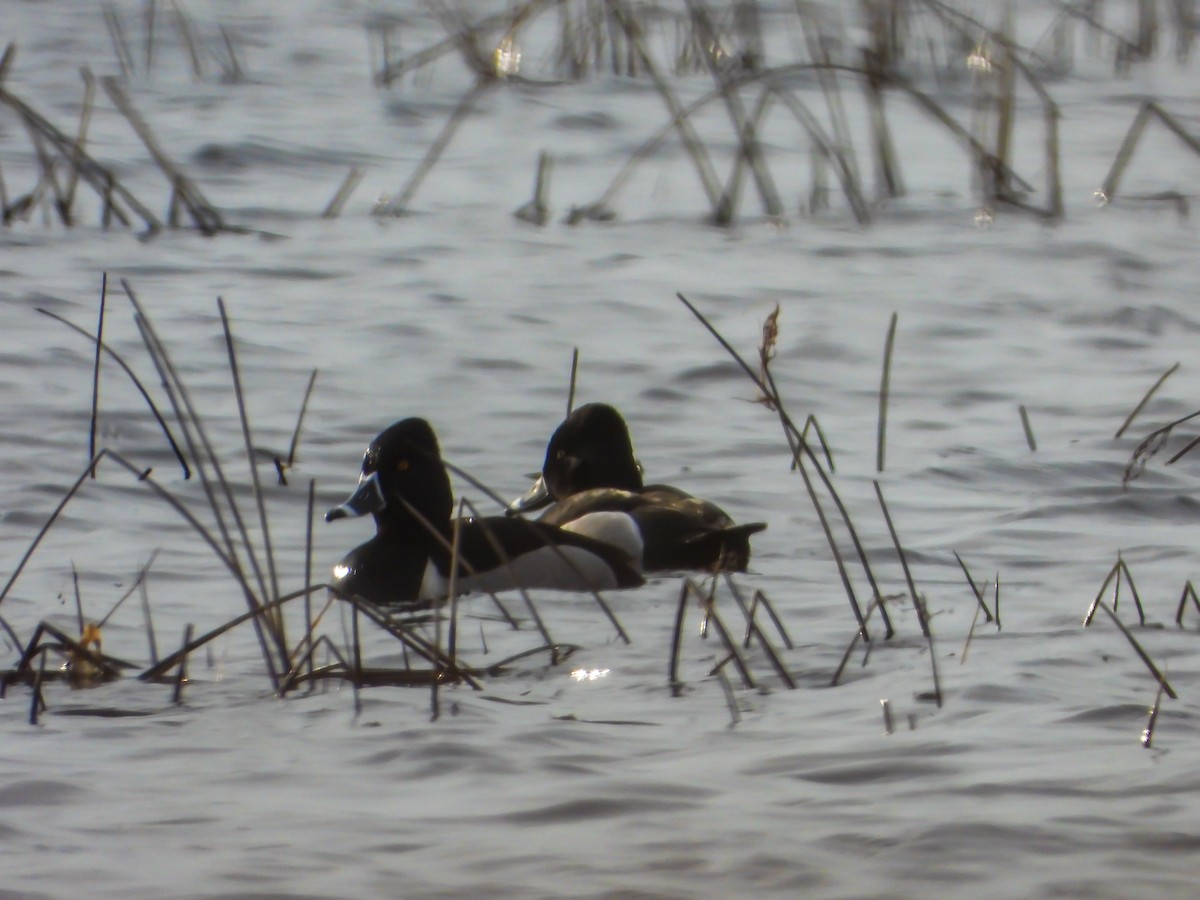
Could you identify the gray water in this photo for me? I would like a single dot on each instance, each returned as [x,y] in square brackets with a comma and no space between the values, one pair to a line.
[1030,779]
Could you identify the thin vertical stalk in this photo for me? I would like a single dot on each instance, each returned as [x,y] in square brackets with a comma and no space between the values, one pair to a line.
[884,391]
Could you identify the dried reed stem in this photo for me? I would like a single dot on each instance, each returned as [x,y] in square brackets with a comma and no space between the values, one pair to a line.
[96,371]
[1145,657]
[50,521]
[137,383]
[574,376]
[537,210]
[1029,439]
[974,588]
[256,484]
[753,628]
[918,601]
[799,450]
[1148,733]
[398,205]
[1145,399]
[181,674]
[334,208]
[1188,591]
[884,394]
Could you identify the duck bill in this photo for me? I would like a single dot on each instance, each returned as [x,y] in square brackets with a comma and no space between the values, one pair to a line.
[537,497]
[367,498]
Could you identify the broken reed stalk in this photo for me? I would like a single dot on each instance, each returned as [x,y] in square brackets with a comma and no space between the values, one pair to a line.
[574,376]
[735,714]
[1137,600]
[85,118]
[962,657]
[673,681]
[750,156]
[398,205]
[710,611]
[1149,108]
[282,467]
[753,628]
[334,208]
[37,703]
[184,27]
[981,603]
[204,215]
[884,394]
[888,725]
[843,168]
[1188,591]
[858,636]
[137,383]
[181,674]
[1142,654]
[1119,568]
[78,597]
[1148,733]
[1029,439]
[96,371]
[92,463]
[760,597]
[918,601]
[116,34]
[1150,445]
[537,210]
[1145,399]
[12,636]
[800,449]
[302,653]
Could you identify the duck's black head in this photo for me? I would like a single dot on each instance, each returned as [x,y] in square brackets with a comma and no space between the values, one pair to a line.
[402,471]
[591,449]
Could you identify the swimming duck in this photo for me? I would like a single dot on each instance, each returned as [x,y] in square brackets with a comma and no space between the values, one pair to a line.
[405,485]
[590,468]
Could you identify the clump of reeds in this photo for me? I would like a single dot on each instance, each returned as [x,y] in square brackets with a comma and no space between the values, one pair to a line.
[63,163]
[200,50]
[240,537]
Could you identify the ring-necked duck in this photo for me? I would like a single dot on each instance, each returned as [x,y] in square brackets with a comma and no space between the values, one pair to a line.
[590,467]
[405,485]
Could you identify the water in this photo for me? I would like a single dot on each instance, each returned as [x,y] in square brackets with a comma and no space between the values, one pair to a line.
[1030,780]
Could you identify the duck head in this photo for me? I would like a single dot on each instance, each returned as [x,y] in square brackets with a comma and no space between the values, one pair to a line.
[590,449]
[403,481]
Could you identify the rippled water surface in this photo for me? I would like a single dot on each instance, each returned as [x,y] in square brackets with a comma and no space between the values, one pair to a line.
[1029,780]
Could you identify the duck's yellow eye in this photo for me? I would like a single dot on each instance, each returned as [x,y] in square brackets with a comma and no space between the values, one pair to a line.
[402,465]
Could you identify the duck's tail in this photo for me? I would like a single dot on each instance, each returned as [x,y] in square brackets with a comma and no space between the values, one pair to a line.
[717,549]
